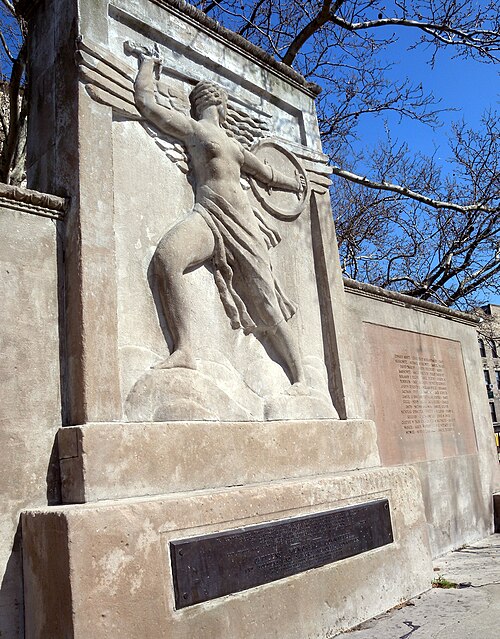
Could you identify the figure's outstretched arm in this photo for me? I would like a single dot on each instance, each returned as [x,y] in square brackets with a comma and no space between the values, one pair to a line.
[269,176]
[167,120]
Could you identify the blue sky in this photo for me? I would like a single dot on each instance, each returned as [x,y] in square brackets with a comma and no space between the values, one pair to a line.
[466,85]
[469,86]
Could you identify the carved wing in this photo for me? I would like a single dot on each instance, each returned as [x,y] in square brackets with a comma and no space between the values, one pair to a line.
[110,81]
[247,129]
[107,79]
[174,150]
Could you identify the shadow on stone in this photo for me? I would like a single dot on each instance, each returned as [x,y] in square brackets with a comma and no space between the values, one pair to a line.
[11,592]
[53,477]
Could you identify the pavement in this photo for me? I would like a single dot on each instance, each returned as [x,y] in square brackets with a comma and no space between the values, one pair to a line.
[471,611]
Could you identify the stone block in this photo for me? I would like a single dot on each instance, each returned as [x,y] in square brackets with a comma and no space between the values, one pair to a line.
[113,461]
[30,411]
[144,200]
[120,581]
[419,376]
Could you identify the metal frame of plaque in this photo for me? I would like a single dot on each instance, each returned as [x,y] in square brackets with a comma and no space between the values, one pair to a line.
[219,564]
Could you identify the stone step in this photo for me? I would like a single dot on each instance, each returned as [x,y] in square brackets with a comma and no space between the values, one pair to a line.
[105,570]
[118,460]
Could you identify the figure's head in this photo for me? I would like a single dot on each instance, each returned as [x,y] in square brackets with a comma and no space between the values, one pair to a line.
[206,94]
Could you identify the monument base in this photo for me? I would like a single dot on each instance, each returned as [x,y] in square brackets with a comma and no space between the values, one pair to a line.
[117,460]
[105,569]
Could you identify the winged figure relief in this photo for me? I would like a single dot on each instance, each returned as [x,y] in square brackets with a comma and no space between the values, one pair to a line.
[216,143]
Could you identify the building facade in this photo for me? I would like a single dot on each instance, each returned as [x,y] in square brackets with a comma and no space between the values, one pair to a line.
[489,347]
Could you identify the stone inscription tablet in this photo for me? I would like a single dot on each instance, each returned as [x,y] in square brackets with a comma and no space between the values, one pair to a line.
[420,397]
[214,565]
[425,401]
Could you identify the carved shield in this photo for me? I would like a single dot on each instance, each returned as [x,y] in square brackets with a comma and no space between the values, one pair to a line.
[285,205]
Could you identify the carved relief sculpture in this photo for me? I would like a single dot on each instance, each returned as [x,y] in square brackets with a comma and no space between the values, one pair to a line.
[223,227]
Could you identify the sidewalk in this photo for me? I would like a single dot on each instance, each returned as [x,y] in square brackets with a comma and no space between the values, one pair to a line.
[469,612]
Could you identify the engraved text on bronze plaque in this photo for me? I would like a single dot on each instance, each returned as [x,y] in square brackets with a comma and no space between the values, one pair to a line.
[222,563]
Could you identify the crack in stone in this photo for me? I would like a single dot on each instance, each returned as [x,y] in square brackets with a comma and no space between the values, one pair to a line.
[413,628]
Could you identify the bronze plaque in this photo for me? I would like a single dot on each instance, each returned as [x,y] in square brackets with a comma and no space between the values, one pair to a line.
[214,565]
[420,398]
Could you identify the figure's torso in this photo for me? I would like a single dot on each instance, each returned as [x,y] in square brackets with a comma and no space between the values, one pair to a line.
[216,161]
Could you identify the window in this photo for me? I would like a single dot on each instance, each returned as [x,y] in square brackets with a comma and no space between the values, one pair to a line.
[482,350]
[493,412]
[497,375]
[487,381]
[494,349]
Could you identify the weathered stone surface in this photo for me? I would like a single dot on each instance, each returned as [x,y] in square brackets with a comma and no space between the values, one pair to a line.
[167,201]
[458,467]
[420,395]
[160,395]
[29,380]
[121,582]
[457,506]
[190,240]
[216,389]
[112,461]
[70,154]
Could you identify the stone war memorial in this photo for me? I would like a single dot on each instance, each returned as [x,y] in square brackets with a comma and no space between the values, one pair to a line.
[205,431]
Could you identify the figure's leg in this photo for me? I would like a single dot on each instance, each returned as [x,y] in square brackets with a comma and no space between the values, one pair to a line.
[285,343]
[187,244]
[261,291]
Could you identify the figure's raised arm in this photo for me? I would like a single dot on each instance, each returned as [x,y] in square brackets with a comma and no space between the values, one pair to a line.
[269,176]
[167,120]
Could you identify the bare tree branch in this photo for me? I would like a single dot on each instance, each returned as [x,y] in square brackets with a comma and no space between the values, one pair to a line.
[10,7]
[319,20]
[6,48]
[251,20]
[469,38]
[415,225]
[10,144]
[404,191]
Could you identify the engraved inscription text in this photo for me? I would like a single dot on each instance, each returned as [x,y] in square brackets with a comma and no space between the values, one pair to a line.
[219,564]
[425,405]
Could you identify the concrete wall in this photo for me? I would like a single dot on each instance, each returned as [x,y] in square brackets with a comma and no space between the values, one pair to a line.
[440,421]
[29,381]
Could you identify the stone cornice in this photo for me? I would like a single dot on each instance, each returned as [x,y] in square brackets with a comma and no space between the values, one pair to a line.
[262,56]
[26,8]
[392,297]
[33,202]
